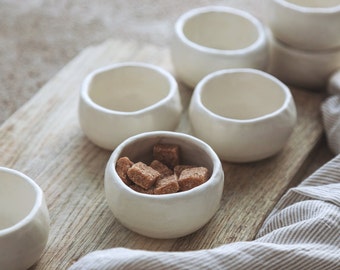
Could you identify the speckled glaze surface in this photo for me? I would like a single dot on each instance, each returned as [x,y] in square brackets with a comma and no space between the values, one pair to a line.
[243,114]
[171,215]
[210,38]
[24,221]
[125,99]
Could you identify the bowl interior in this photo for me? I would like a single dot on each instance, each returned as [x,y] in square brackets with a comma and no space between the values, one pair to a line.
[315,3]
[128,88]
[17,199]
[191,151]
[242,96]
[220,30]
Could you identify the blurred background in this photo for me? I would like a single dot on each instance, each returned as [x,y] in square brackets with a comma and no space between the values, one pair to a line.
[39,37]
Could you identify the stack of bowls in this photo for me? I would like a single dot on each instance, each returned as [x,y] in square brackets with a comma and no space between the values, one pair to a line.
[305,41]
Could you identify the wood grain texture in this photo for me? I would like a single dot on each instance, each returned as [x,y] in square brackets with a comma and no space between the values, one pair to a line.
[43,139]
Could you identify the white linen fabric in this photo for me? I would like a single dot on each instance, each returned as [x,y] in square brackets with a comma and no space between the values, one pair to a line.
[302,232]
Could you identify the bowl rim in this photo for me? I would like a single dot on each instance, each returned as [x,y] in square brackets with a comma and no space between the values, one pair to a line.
[308,10]
[197,97]
[258,43]
[213,179]
[36,206]
[84,92]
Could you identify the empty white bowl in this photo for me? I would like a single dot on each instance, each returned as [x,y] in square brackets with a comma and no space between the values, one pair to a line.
[24,221]
[305,24]
[302,68]
[125,99]
[216,37]
[243,114]
[171,215]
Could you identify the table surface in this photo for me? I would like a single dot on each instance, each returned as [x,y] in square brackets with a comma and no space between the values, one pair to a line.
[43,139]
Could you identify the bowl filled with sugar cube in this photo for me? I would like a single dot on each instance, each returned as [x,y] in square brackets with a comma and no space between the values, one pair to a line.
[163,184]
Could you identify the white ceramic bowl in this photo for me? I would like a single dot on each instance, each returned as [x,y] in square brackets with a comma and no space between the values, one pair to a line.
[215,37]
[24,220]
[244,114]
[302,68]
[171,215]
[305,24]
[333,86]
[125,99]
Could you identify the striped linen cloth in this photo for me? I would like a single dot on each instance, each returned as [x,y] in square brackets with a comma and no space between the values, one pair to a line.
[302,232]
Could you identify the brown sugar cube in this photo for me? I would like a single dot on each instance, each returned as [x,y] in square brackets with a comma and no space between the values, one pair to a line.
[142,175]
[168,154]
[180,168]
[192,177]
[166,185]
[161,168]
[142,190]
[122,166]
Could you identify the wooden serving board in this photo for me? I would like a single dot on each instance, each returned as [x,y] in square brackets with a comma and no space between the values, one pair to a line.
[43,139]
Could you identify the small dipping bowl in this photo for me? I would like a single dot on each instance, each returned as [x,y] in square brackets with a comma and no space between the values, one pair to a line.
[170,215]
[243,114]
[216,37]
[302,68]
[125,99]
[305,24]
[24,220]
